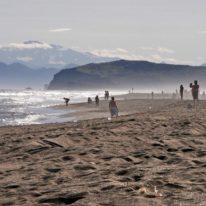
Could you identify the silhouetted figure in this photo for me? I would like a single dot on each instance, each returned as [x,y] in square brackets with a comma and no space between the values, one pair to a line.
[181,91]
[162,94]
[203,94]
[113,108]
[106,95]
[66,100]
[195,91]
[89,100]
[152,95]
[97,100]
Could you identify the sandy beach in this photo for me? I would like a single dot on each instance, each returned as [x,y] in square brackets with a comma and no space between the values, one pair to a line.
[154,154]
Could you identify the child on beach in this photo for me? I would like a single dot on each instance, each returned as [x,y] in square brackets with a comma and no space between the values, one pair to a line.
[113,108]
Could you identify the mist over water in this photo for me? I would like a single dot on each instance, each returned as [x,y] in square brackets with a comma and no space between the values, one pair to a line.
[35,107]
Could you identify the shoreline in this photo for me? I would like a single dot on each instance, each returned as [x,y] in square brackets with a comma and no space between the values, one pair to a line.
[127,104]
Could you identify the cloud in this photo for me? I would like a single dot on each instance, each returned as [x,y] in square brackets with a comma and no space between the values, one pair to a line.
[199,58]
[118,52]
[124,54]
[24,59]
[147,48]
[164,50]
[29,45]
[158,58]
[123,51]
[159,49]
[60,30]
[203,32]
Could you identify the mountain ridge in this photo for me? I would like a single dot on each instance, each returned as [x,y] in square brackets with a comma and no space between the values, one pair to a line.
[127,74]
[17,75]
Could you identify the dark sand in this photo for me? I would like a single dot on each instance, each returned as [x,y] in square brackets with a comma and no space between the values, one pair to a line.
[100,162]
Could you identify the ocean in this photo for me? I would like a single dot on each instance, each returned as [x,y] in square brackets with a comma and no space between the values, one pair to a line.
[35,106]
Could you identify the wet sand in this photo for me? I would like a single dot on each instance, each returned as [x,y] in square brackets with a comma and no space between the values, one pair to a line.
[152,157]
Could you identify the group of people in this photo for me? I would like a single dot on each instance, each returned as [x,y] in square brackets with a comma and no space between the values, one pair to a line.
[89,100]
[194,89]
[182,93]
[113,106]
[112,103]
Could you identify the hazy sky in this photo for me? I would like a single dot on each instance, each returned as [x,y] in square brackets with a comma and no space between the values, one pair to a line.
[172,31]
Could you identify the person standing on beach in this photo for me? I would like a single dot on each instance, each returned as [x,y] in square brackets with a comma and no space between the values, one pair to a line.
[97,100]
[181,91]
[195,91]
[89,100]
[113,108]
[152,95]
[162,94]
[106,95]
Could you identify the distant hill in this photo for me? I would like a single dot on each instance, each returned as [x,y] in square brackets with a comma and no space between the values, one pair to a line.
[124,74]
[35,54]
[17,75]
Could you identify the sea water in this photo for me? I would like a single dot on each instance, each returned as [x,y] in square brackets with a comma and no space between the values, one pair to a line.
[36,106]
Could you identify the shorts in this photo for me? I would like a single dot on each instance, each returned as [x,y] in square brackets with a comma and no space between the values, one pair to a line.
[195,95]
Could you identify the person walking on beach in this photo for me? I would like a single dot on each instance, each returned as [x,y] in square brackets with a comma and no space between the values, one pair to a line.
[195,91]
[66,100]
[113,108]
[181,91]
[97,100]
[107,95]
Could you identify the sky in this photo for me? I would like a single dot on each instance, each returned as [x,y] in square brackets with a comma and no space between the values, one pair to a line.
[172,31]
